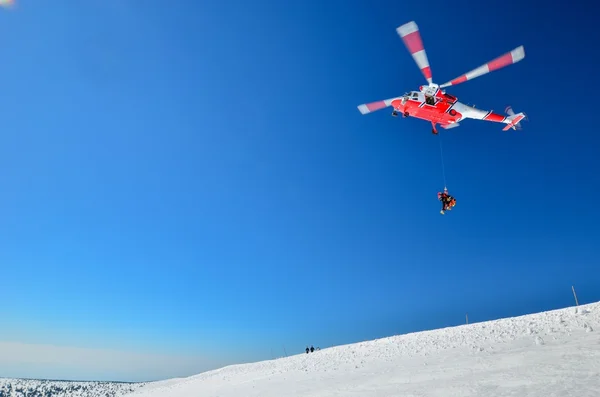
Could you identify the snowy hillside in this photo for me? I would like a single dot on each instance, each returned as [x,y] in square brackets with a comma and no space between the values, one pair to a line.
[48,388]
[554,353]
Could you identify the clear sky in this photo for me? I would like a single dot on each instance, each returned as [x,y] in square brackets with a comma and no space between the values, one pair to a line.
[191,182]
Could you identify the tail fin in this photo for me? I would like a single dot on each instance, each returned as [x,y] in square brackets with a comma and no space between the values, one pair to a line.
[513,120]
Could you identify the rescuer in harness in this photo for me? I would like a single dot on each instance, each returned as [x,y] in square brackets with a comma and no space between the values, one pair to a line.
[448,202]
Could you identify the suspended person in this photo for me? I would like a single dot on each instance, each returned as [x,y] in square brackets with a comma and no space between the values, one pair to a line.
[448,202]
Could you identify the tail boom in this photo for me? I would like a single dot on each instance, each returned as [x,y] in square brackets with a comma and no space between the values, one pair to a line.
[511,120]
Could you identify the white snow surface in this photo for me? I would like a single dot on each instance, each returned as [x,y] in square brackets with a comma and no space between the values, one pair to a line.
[55,388]
[554,353]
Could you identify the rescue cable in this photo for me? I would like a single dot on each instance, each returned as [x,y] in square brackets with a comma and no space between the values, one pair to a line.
[443,167]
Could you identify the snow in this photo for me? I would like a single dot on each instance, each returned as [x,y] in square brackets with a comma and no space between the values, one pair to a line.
[555,353]
[51,388]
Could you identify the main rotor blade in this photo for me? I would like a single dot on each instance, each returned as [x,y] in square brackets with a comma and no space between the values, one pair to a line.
[509,58]
[409,33]
[374,106]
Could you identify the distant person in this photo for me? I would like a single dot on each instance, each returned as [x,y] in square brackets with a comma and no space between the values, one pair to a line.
[307,349]
[312,349]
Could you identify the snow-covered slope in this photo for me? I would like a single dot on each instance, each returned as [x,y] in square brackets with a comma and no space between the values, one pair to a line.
[52,388]
[554,353]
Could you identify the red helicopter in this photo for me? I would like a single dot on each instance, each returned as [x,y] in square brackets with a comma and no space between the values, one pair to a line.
[434,104]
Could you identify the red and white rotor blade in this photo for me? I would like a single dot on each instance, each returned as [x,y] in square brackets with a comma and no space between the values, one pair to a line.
[507,59]
[374,106]
[409,33]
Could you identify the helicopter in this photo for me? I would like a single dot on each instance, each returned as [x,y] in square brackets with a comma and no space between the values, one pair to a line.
[432,103]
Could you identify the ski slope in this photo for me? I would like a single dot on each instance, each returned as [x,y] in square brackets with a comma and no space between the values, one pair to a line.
[555,353]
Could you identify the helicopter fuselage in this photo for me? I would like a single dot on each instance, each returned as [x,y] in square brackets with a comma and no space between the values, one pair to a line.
[438,107]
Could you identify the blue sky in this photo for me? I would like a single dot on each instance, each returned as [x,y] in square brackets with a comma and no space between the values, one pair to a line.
[194,179]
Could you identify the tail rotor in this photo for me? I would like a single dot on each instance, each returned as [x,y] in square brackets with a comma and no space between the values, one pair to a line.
[514,119]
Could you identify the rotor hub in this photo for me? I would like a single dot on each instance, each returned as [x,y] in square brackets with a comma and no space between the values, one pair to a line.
[429,90]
